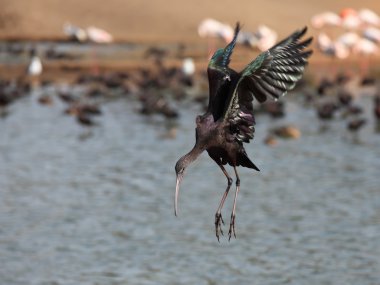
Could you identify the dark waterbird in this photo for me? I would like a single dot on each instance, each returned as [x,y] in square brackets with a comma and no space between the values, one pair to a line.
[326,111]
[229,120]
[356,124]
[376,109]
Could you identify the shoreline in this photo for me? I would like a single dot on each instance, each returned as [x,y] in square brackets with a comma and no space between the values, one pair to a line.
[108,59]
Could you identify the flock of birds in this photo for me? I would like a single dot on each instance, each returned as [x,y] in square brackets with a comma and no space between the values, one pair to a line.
[91,33]
[160,90]
[152,87]
[361,34]
[156,87]
[334,99]
[263,38]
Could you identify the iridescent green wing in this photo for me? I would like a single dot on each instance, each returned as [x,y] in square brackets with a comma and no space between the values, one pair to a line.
[272,74]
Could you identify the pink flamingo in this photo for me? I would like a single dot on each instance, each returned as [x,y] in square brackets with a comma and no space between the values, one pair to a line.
[210,28]
[336,50]
[97,35]
[325,19]
[369,17]
[367,49]
[328,47]
[267,37]
[350,19]
[372,34]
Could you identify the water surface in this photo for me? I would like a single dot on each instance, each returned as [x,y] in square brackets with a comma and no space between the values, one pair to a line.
[97,208]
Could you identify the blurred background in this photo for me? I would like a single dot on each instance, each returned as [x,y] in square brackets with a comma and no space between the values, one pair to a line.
[98,101]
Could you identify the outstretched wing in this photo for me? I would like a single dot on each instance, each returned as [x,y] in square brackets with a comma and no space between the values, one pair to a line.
[219,77]
[272,74]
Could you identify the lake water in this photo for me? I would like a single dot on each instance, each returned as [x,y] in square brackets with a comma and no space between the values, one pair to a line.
[97,208]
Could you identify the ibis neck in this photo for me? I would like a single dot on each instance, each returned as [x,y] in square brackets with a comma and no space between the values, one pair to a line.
[193,154]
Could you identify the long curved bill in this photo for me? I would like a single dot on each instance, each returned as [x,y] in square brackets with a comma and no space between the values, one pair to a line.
[178,182]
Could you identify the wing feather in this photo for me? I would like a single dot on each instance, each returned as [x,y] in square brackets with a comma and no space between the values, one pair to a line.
[217,72]
[272,74]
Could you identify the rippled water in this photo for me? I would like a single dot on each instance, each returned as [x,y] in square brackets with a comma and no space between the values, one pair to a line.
[100,210]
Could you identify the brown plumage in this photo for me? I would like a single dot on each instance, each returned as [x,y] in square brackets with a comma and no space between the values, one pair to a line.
[229,120]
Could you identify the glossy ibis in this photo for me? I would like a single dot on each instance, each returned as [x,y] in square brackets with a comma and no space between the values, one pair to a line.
[356,124]
[345,97]
[275,109]
[376,109]
[353,110]
[84,112]
[326,111]
[229,120]
[324,85]
[45,100]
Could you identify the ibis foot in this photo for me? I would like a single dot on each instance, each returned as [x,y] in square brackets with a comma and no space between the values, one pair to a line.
[218,225]
[232,228]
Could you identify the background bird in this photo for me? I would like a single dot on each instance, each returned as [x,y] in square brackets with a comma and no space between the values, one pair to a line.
[229,120]
[35,65]
[211,29]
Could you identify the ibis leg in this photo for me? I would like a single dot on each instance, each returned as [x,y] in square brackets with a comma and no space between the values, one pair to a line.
[218,216]
[232,222]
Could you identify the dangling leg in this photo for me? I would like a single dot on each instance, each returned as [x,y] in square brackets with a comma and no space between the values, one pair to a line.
[218,215]
[232,223]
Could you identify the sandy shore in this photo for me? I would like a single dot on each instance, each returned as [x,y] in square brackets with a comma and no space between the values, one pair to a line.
[160,20]
[153,23]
